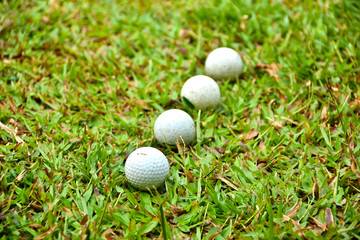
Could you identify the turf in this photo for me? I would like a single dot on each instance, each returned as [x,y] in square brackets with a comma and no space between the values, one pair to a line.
[82,84]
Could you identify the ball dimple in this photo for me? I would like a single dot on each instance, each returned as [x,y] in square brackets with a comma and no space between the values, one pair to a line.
[174,125]
[202,92]
[223,63]
[142,168]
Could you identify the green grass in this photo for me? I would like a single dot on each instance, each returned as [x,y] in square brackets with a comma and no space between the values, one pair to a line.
[83,82]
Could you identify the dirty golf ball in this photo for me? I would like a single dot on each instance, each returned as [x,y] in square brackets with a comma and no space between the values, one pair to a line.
[201,91]
[174,126]
[223,63]
[146,167]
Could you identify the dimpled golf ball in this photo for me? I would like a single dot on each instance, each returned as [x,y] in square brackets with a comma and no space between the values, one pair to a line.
[146,167]
[201,91]
[223,63]
[174,125]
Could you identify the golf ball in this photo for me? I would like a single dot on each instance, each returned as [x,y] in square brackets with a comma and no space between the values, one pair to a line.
[202,91]
[223,63]
[174,125]
[146,167]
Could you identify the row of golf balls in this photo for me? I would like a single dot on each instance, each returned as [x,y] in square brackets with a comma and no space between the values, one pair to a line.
[147,167]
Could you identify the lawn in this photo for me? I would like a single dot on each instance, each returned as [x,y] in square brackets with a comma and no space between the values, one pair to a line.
[82,83]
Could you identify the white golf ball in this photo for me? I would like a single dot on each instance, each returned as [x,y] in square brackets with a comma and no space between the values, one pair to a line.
[223,63]
[174,125]
[146,167]
[202,91]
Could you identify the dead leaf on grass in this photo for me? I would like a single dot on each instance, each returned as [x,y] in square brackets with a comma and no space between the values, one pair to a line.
[292,212]
[334,130]
[141,142]
[183,33]
[20,176]
[243,22]
[331,185]
[19,128]
[316,189]
[84,220]
[4,215]
[35,225]
[271,69]
[251,134]
[47,233]
[12,132]
[319,224]
[262,145]
[75,140]
[289,120]
[176,211]
[354,167]
[355,105]
[277,124]
[297,225]
[96,191]
[213,150]
[220,150]
[36,207]
[141,103]
[227,182]
[324,113]
[181,49]
[329,218]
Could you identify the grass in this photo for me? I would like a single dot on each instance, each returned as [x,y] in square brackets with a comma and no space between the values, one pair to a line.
[82,84]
